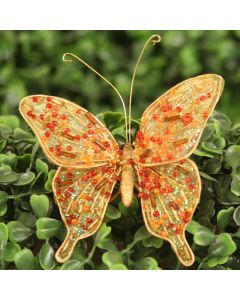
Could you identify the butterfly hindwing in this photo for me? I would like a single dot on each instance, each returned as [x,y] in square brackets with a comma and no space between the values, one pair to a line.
[69,134]
[82,196]
[171,126]
[169,195]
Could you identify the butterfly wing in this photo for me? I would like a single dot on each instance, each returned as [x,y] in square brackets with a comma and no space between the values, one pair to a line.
[87,154]
[82,196]
[69,134]
[171,126]
[170,130]
[169,195]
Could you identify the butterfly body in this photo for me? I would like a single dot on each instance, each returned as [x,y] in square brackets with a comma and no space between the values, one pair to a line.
[127,175]
[91,162]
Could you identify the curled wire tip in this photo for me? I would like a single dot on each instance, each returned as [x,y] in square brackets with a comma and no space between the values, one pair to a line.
[155,39]
[65,59]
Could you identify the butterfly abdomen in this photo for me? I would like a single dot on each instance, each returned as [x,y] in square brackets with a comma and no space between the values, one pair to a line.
[127,176]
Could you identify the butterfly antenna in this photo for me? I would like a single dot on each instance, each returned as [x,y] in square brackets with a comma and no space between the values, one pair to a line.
[105,79]
[153,39]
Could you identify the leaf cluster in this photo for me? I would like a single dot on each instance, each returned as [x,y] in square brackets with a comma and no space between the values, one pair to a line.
[31,229]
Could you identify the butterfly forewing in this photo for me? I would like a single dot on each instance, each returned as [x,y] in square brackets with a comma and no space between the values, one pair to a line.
[171,127]
[169,195]
[69,134]
[82,196]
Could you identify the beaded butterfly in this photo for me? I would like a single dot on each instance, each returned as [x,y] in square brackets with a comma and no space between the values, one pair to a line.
[91,161]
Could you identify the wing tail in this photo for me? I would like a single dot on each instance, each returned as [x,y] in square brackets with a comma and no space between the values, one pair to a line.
[169,195]
[183,251]
[66,249]
[82,196]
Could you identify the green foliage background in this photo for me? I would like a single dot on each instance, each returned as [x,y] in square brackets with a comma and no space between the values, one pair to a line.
[30,226]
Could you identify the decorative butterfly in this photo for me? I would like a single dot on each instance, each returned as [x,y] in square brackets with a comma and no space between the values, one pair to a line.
[91,161]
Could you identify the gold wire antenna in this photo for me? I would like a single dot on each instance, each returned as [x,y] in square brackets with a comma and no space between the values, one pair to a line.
[105,79]
[153,39]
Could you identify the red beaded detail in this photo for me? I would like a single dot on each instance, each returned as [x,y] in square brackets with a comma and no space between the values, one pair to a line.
[48,105]
[187,119]
[35,99]
[166,108]
[89,220]
[107,194]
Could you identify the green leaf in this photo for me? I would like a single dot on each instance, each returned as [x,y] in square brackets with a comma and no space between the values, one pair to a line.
[40,205]
[211,147]
[120,131]
[236,215]
[153,241]
[141,234]
[48,184]
[3,209]
[24,162]
[235,186]
[47,227]
[102,232]
[18,232]
[2,144]
[25,178]
[202,153]
[41,167]
[193,227]
[212,165]
[225,196]
[5,131]
[3,203]
[232,156]
[112,212]
[111,118]
[112,257]
[206,176]
[118,266]
[3,235]
[214,261]
[72,265]
[107,244]
[24,260]
[204,236]
[10,250]
[46,257]
[146,263]
[8,176]
[10,121]
[223,218]
[27,219]
[222,246]
[3,197]
[8,159]
[20,134]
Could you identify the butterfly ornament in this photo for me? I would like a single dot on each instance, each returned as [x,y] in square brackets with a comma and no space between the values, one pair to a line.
[91,162]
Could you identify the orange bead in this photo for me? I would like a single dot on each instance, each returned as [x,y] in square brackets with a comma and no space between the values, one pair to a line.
[160,222]
[164,233]
[164,216]
[85,208]
[74,204]
[74,221]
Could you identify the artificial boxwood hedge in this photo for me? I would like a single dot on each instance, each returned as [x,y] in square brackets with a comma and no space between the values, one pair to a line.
[31,228]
